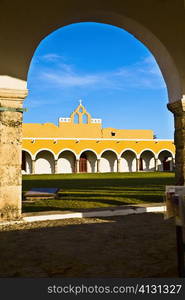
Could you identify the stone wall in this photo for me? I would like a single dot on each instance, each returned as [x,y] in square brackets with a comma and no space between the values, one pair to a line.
[10,153]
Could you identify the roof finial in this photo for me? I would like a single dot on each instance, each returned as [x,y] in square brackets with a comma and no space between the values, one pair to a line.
[80,101]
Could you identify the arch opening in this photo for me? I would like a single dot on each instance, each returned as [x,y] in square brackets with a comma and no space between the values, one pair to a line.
[165,159]
[44,163]
[147,161]
[88,162]
[26,162]
[128,161]
[108,162]
[66,162]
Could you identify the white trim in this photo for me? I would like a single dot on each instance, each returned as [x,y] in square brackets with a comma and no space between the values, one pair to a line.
[100,139]
[129,149]
[101,213]
[31,154]
[173,155]
[66,149]
[109,149]
[91,150]
[45,149]
[147,149]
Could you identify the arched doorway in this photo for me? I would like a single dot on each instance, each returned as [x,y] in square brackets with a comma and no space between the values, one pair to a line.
[66,162]
[83,163]
[26,163]
[147,161]
[88,162]
[165,159]
[108,161]
[128,161]
[169,55]
[44,162]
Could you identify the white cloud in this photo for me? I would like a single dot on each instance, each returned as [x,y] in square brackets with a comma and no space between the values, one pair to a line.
[144,74]
[71,80]
[51,57]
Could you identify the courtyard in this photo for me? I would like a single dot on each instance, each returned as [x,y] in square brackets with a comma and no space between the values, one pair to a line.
[88,191]
[141,245]
[127,246]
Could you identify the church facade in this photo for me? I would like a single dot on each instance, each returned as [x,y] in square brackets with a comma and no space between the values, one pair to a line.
[79,144]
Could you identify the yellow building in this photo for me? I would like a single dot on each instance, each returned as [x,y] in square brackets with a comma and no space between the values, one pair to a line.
[80,144]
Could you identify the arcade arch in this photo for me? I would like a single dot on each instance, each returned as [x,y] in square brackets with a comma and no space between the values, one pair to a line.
[128,161]
[165,161]
[44,162]
[88,161]
[66,162]
[15,60]
[26,162]
[147,161]
[108,161]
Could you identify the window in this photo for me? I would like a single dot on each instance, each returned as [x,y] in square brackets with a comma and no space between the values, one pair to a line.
[113,133]
[76,119]
[84,119]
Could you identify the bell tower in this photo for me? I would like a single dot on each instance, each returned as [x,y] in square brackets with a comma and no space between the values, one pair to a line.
[80,115]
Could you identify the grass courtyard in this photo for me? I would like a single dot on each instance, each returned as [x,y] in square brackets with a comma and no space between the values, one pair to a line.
[82,191]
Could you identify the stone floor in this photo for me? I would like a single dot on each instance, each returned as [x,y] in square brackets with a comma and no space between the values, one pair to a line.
[126,246]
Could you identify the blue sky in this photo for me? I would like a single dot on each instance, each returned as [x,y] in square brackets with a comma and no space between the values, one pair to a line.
[111,71]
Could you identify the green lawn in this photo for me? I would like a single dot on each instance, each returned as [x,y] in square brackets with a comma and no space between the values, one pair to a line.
[98,190]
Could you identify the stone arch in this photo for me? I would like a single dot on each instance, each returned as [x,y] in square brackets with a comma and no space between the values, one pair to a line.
[44,162]
[67,149]
[109,149]
[88,157]
[141,28]
[147,160]
[26,162]
[44,149]
[136,19]
[128,161]
[88,149]
[165,160]
[66,161]
[168,150]
[108,161]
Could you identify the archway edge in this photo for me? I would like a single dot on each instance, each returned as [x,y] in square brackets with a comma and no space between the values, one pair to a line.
[66,149]
[147,150]
[129,149]
[26,150]
[111,150]
[168,150]
[124,15]
[44,149]
[85,150]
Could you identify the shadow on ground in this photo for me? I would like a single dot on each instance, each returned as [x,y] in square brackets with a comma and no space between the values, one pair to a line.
[126,246]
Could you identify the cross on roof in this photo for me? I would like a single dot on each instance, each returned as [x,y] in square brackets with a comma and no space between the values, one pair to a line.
[80,102]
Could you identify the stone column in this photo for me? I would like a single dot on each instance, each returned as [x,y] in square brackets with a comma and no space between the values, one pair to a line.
[56,166]
[33,166]
[178,109]
[98,165]
[156,164]
[10,152]
[173,164]
[119,165]
[77,165]
[137,164]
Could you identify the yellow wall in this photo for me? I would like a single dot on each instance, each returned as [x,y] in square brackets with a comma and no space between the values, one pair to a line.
[127,134]
[70,132]
[98,147]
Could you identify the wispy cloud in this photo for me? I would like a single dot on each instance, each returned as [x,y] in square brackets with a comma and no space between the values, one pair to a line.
[144,74]
[51,57]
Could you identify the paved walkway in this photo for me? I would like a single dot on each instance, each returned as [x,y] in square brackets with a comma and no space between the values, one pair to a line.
[121,210]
